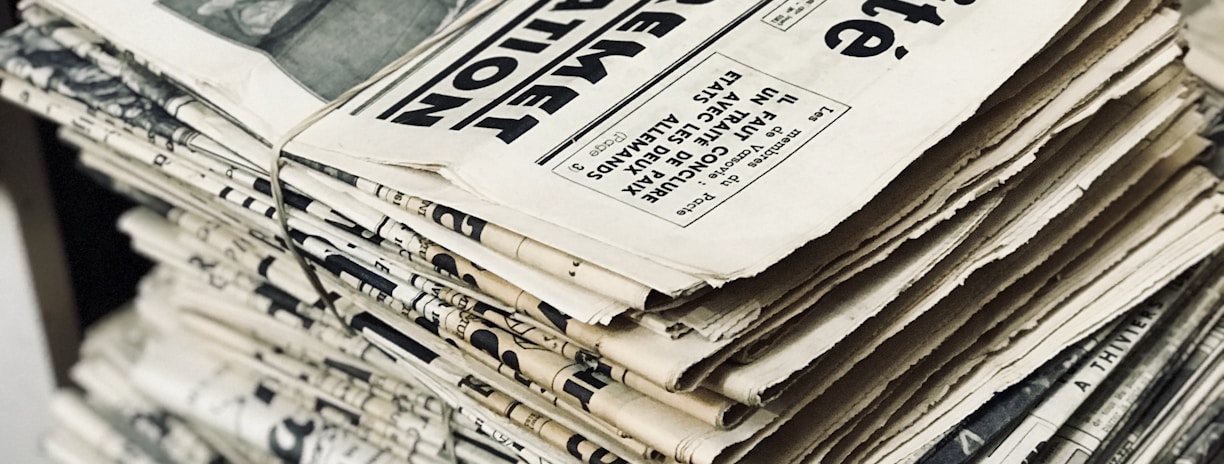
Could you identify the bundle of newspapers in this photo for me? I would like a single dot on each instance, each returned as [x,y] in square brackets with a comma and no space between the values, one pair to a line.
[686,231]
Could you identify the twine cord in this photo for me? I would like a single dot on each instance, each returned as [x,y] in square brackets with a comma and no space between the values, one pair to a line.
[278,196]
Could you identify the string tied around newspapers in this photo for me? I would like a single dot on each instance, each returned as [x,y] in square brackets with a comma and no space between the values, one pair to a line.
[278,195]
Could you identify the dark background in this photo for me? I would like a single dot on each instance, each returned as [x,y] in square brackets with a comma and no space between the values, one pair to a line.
[102,267]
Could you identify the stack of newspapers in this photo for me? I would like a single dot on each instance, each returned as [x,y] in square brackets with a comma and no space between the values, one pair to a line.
[603,231]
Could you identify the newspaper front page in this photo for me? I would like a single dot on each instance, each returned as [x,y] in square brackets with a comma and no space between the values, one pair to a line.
[670,129]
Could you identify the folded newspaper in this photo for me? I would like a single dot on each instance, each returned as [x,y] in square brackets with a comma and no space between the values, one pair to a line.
[638,231]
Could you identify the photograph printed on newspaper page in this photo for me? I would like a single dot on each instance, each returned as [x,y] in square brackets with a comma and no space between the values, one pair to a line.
[268,64]
[665,128]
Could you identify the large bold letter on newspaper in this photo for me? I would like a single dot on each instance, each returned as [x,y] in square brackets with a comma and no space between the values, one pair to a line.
[713,136]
